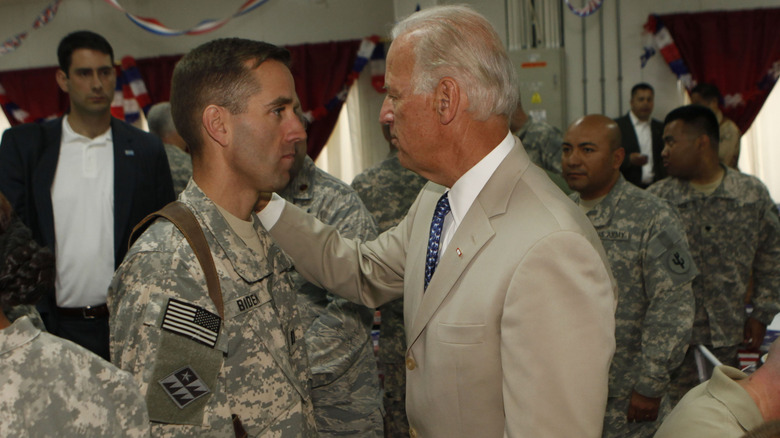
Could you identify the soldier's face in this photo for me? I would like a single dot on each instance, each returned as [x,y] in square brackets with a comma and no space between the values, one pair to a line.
[589,165]
[680,154]
[264,136]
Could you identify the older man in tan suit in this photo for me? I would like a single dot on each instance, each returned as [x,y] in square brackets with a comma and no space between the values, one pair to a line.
[513,334]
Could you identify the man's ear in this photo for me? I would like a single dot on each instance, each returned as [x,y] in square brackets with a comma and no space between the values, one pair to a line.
[447,100]
[214,120]
[62,80]
[619,155]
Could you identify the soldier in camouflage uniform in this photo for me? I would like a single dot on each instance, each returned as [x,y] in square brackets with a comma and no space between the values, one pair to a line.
[197,370]
[345,391]
[161,125]
[649,257]
[541,140]
[388,190]
[733,229]
[50,386]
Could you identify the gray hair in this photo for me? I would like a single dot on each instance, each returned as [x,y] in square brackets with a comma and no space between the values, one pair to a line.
[160,120]
[458,42]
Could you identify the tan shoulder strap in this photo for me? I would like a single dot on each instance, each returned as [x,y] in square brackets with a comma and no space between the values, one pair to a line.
[181,216]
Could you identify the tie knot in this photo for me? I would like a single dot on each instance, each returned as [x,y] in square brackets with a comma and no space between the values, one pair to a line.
[443,206]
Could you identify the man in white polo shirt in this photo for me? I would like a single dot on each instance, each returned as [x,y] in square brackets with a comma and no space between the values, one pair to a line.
[80,183]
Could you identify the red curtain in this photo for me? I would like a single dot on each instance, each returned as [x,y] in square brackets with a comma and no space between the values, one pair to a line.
[738,51]
[320,71]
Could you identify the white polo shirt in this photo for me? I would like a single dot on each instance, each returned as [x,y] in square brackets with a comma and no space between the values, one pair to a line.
[82,196]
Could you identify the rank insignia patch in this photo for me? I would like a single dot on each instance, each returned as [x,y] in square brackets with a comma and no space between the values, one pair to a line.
[192,321]
[184,386]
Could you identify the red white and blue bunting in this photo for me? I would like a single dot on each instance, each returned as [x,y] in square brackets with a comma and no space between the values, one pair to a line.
[156,27]
[662,39]
[590,8]
[46,15]
[372,53]
[130,95]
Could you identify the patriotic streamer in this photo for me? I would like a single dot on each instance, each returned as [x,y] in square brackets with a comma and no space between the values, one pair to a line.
[156,27]
[662,39]
[41,20]
[590,8]
[130,95]
[368,47]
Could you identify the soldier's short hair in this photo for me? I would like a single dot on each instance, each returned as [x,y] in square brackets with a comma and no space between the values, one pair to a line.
[707,91]
[700,119]
[82,39]
[220,73]
[26,269]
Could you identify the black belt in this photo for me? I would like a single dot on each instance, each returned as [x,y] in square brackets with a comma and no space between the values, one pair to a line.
[88,312]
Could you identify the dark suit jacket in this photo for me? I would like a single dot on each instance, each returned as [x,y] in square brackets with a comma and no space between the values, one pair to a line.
[28,161]
[630,143]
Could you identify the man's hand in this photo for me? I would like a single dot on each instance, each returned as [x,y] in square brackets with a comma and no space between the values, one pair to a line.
[642,408]
[265,198]
[637,159]
[754,333]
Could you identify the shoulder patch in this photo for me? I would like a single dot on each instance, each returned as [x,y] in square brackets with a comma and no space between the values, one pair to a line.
[192,321]
[184,386]
[678,262]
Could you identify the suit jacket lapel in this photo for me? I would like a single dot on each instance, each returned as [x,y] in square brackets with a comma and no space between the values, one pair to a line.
[43,179]
[124,181]
[472,234]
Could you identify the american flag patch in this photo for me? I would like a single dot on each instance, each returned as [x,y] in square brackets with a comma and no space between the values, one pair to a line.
[192,321]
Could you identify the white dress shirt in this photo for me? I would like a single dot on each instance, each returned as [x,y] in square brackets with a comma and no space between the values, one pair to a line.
[644,136]
[82,198]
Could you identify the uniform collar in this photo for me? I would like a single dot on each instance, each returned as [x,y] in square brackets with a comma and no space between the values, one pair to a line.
[19,333]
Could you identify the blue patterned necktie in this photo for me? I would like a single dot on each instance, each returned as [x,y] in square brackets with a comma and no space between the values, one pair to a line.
[432,257]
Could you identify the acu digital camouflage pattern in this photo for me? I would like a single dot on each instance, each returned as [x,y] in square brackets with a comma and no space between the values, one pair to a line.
[542,142]
[731,232]
[649,257]
[346,393]
[181,167]
[258,368]
[388,191]
[50,387]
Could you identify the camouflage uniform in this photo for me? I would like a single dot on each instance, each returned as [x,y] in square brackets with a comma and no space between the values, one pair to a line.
[542,142]
[346,394]
[181,167]
[388,190]
[252,364]
[648,253]
[732,232]
[52,387]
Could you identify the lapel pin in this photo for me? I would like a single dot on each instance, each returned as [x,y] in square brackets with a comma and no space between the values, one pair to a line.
[129,152]
[457,250]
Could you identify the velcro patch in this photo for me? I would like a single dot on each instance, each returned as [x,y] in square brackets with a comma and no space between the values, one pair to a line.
[192,321]
[678,262]
[184,386]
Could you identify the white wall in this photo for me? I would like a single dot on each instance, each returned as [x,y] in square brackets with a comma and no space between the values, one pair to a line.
[282,22]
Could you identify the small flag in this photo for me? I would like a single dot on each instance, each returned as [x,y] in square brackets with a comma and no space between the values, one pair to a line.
[192,322]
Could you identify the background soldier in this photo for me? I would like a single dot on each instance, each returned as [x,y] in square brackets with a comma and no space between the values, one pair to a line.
[388,190]
[161,125]
[649,257]
[234,103]
[733,229]
[50,386]
[345,388]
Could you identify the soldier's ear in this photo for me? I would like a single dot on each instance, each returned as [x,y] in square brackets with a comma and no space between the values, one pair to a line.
[618,156]
[215,124]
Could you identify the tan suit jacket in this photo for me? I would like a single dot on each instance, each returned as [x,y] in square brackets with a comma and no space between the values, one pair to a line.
[515,333]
